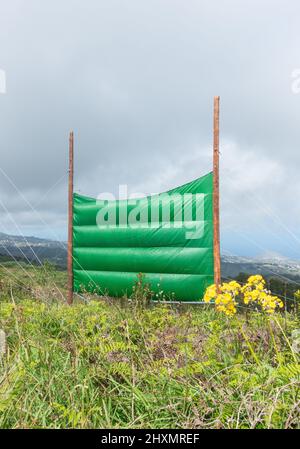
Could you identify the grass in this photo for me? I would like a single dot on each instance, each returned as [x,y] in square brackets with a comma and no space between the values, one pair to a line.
[122,364]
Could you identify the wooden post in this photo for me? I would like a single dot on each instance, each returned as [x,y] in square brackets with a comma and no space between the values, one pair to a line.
[70,219]
[216,207]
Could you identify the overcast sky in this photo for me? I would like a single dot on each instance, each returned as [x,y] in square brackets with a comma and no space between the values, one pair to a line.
[135,80]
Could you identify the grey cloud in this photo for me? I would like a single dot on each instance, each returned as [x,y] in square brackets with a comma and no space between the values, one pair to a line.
[135,80]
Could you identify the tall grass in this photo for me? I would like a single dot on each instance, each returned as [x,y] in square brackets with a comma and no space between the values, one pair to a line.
[109,365]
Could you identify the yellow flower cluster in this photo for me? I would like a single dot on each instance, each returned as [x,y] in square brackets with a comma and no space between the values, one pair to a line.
[211,293]
[229,294]
[224,297]
[255,292]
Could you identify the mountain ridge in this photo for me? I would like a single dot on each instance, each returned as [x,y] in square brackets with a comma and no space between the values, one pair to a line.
[35,249]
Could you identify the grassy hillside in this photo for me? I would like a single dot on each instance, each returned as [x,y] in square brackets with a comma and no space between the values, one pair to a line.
[123,364]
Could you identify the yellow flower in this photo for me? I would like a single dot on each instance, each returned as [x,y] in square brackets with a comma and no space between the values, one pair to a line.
[229,293]
[211,293]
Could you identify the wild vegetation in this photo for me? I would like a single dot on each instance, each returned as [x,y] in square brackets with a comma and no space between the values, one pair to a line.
[132,364]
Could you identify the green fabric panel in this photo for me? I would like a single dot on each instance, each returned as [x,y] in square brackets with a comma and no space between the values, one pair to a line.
[94,236]
[159,259]
[113,283]
[171,240]
[86,213]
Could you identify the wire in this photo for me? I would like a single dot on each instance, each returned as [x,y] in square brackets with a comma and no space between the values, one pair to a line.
[12,274]
[268,211]
[244,283]
[43,221]
[50,189]
[235,205]
[31,207]
[19,264]
[30,247]
[19,230]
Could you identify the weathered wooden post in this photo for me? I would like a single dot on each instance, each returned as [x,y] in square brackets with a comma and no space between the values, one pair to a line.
[70,219]
[216,195]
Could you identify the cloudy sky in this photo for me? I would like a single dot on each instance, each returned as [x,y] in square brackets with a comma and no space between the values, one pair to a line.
[135,80]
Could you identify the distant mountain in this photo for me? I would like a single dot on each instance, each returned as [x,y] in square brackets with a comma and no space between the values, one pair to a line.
[269,265]
[33,249]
